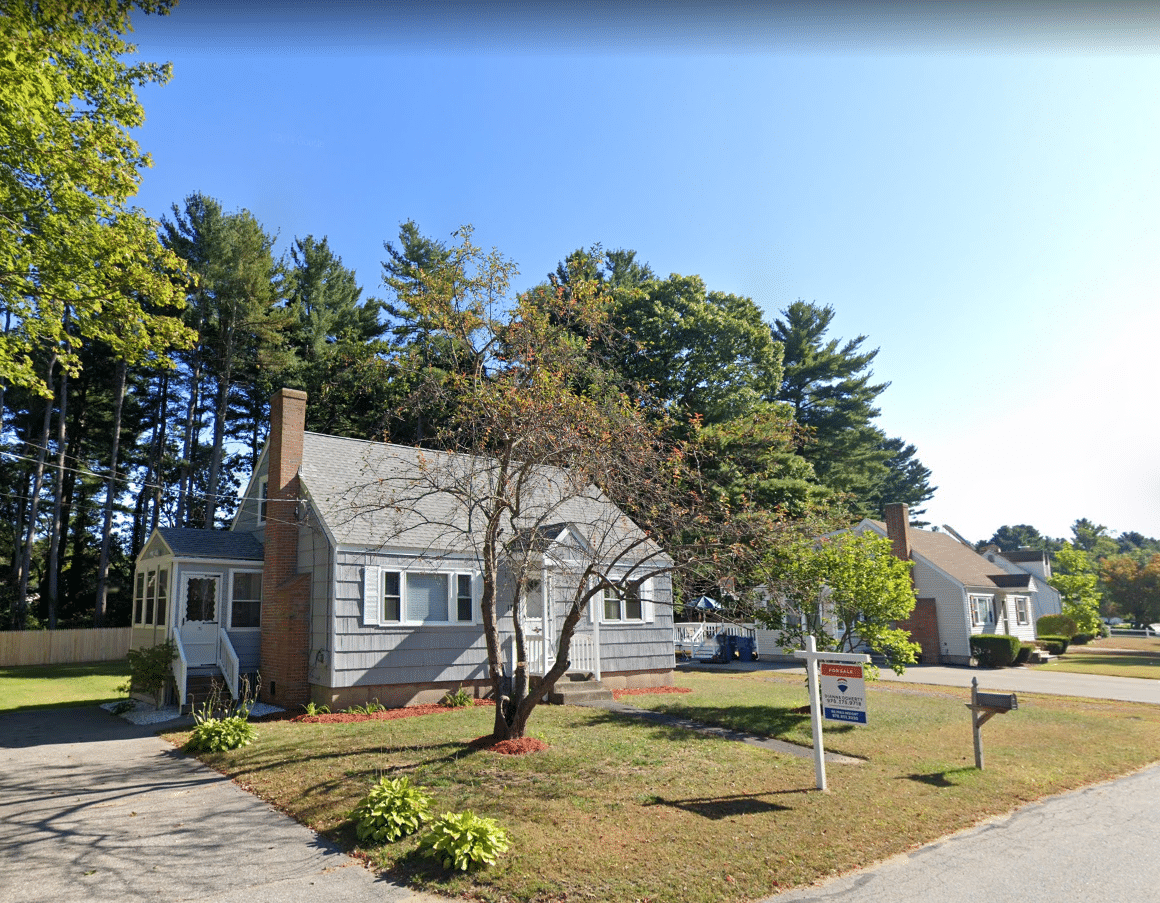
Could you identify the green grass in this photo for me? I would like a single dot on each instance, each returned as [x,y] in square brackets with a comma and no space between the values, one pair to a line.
[1134,643]
[61,686]
[1083,660]
[620,810]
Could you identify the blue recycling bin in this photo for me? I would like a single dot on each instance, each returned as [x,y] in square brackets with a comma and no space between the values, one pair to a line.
[746,647]
[725,648]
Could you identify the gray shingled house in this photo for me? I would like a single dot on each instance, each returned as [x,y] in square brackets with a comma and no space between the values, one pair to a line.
[349,574]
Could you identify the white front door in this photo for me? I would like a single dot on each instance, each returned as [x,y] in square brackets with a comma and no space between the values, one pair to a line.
[200,604]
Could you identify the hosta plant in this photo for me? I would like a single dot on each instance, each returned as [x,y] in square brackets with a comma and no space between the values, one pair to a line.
[392,809]
[463,840]
[215,734]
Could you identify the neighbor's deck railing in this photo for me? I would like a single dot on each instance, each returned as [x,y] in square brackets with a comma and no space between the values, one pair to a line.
[694,639]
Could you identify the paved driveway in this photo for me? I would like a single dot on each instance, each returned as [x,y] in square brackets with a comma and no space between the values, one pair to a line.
[95,809]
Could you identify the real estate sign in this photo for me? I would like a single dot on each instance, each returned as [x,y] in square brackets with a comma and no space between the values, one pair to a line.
[843,690]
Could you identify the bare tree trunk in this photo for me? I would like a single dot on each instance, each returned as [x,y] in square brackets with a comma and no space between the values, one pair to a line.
[219,431]
[185,488]
[57,503]
[110,495]
[21,619]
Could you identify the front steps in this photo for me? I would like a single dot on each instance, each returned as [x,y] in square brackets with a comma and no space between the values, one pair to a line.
[579,688]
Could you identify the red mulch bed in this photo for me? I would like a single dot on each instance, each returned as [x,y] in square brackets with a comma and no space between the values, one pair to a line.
[509,747]
[409,711]
[644,691]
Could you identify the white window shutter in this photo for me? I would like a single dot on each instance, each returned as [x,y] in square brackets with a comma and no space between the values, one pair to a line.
[372,596]
[648,588]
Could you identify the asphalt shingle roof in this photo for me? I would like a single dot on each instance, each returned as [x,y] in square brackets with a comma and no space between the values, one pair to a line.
[375,494]
[960,561]
[187,542]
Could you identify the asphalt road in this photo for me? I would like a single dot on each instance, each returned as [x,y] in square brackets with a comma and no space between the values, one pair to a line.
[1099,845]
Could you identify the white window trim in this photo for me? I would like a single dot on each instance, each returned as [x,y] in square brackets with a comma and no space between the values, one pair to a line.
[373,592]
[1024,618]
[155,572]
[229,621]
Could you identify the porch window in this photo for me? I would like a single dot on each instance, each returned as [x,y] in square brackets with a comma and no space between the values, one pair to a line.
[246,600]
[981,613]
[139,599]
[162,595]
[150,595]
[418,597]
[1022,615]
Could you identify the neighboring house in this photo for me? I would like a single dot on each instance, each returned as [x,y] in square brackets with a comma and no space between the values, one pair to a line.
[1046,599]
[960,592]
[347,576]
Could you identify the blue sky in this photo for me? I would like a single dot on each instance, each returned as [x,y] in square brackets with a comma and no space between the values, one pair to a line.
[974,187]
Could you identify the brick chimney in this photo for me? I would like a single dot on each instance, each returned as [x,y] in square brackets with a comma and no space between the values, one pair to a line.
[898,529]
[285,645]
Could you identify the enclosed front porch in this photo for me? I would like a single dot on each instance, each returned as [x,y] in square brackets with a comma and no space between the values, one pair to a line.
[203,589]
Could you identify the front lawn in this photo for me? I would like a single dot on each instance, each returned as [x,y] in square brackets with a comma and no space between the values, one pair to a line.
[59,686]
[1134,643]
[1085,660]
[618,809]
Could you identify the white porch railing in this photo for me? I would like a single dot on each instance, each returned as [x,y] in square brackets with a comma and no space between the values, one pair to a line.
[583,655]
[227,660]
[697,639]
[180,670]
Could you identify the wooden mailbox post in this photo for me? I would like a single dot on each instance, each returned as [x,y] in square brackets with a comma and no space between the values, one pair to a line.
[983,706]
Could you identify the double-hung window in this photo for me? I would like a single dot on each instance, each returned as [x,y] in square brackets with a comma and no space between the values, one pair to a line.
[1022,615]
[980,610]
[418,597]
[245,599]
[631,602]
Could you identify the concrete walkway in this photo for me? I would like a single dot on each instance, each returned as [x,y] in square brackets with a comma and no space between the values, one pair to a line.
[1015,680]
[95,809]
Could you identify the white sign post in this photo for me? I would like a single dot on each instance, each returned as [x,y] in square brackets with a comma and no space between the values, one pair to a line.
[811,656]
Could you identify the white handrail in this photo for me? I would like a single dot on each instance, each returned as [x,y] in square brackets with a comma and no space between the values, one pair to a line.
[180,670]
[227,660]
[583,654]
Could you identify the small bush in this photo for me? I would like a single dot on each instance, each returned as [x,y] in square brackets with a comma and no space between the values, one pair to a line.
[1056,645]
[217,734]
[463,840]
[149,669]
[459,699]
[311,709]
[392,809]
[1056,625]
[1024,656]
[995,650]
[1082,639]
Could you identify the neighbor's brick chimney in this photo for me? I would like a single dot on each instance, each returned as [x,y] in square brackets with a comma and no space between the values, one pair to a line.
[898,529]
[285,592]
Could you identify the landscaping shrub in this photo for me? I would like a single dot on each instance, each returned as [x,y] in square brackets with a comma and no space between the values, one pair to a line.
[1056,625]
[1025,650]
[216,734]
[459,699]
[463,840]
[1082,639]
[995,650]
[1056,645]
[149,669]
[392,809]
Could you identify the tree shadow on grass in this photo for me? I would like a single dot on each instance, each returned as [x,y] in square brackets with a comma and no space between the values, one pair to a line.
[759,720]
[937,778]
[719,807]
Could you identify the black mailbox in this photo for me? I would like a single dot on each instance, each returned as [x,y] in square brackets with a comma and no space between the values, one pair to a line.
[1003,702]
